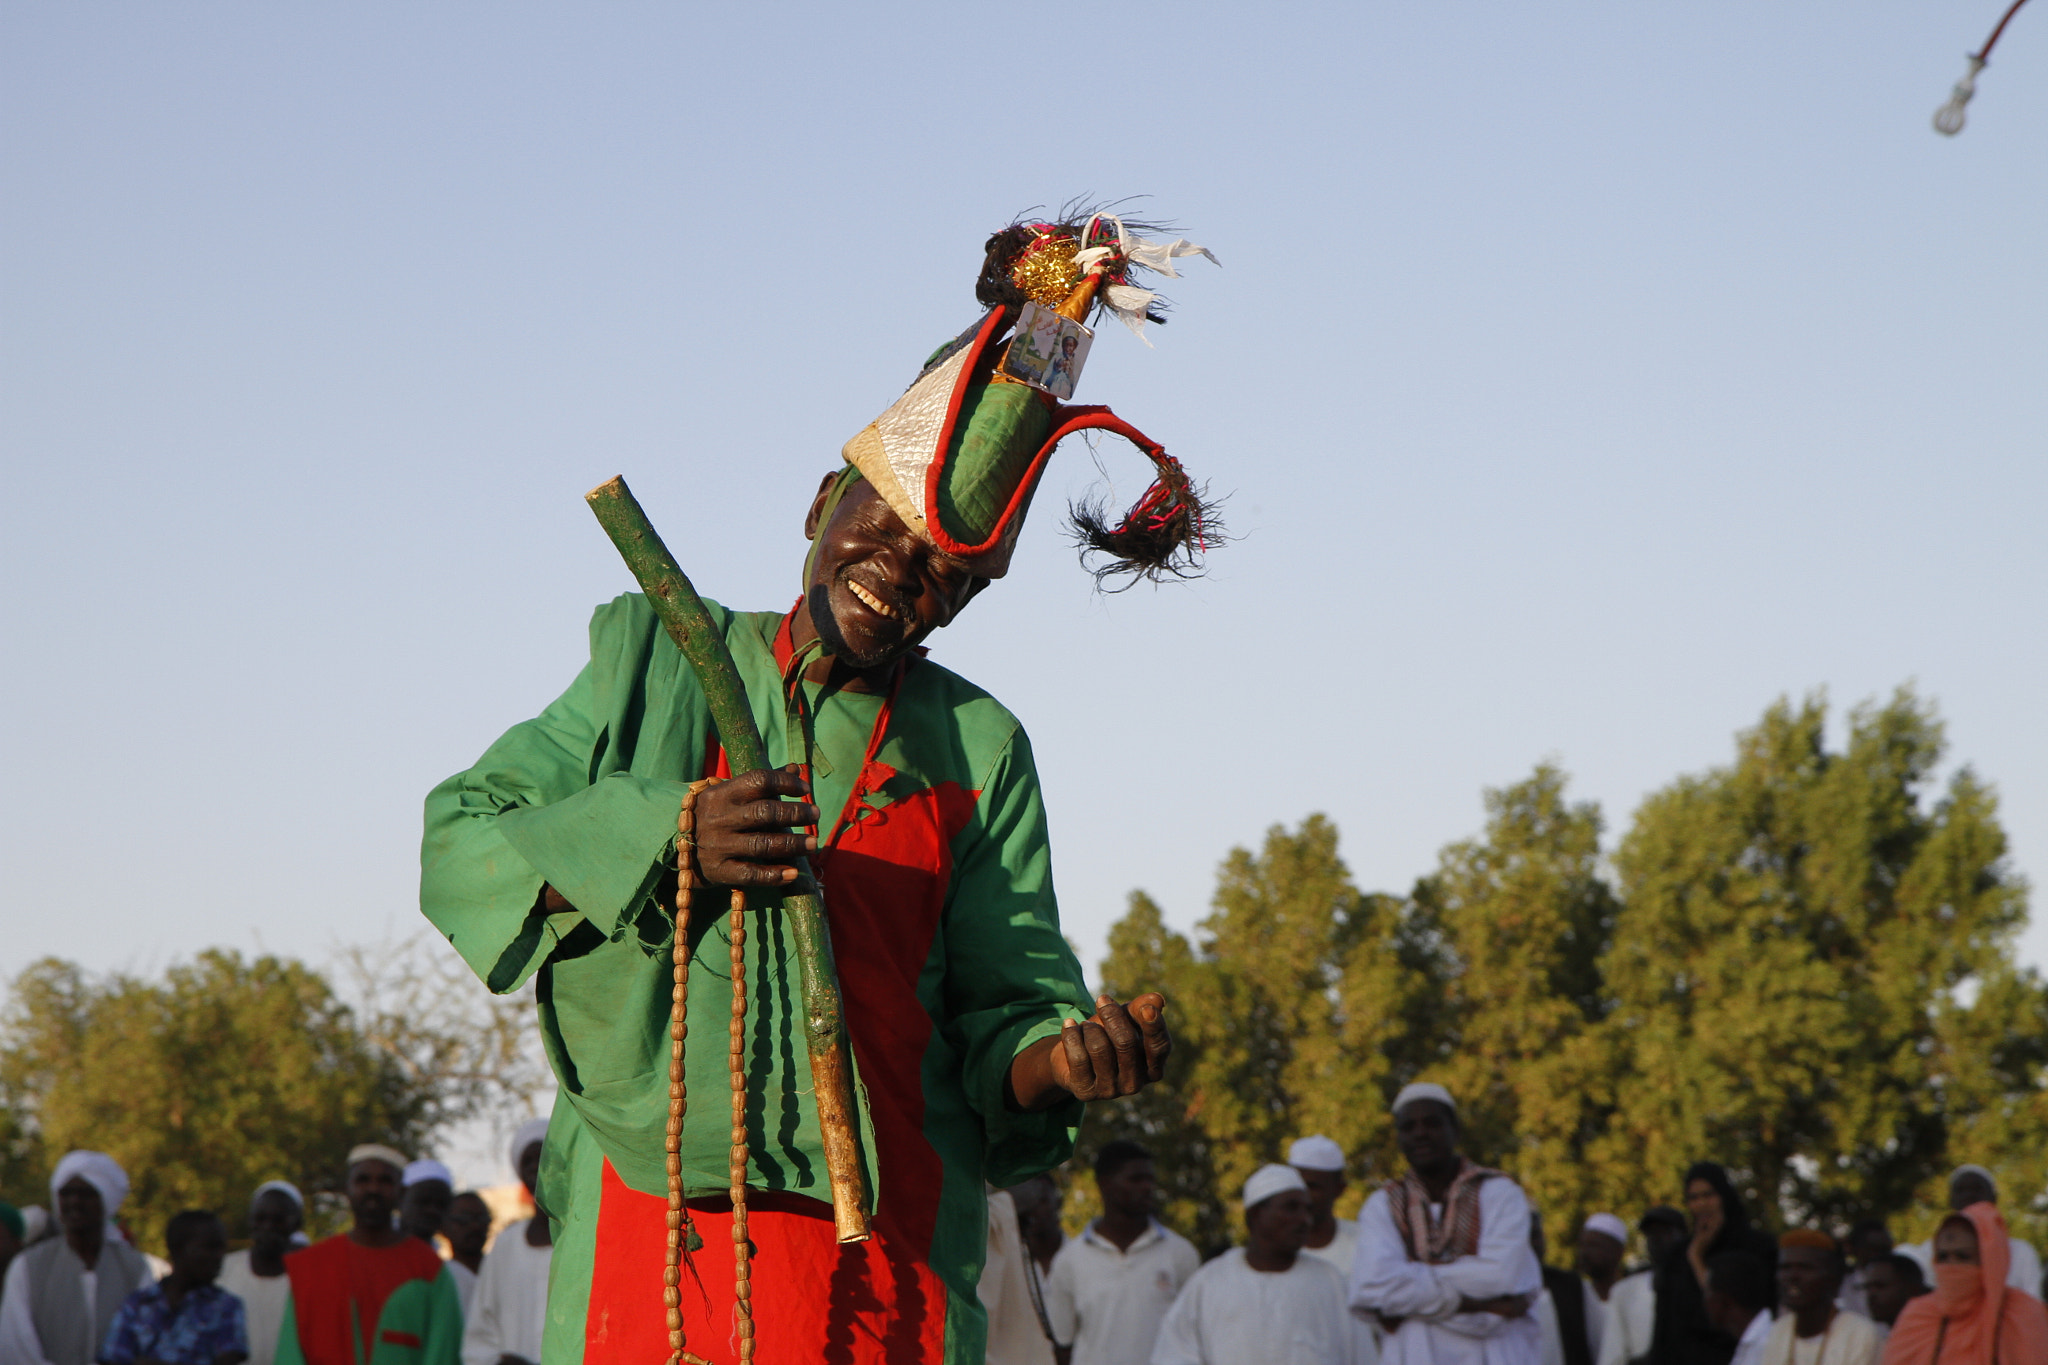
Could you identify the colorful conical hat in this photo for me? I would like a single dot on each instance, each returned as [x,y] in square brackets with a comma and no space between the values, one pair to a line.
[960,454]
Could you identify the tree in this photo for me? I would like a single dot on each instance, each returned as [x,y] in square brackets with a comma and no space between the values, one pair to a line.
[1813,977]
[222,1075]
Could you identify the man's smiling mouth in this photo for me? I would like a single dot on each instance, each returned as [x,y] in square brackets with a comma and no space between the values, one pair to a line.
[872,602]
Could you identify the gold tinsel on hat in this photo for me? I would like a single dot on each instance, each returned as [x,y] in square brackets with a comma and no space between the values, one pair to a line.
[1046,271]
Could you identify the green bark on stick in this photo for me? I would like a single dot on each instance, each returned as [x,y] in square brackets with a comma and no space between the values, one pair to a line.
[683,615]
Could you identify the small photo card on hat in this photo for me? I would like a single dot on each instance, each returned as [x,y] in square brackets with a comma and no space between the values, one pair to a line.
[1047,351]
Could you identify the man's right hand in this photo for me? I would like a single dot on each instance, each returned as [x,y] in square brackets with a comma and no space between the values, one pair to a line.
[743,828]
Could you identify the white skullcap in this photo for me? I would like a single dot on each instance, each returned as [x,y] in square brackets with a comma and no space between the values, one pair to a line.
[1424,1090]
[1270,1180]
[283,1187]
[1607,1225]
[426,1168]
[1316,1153]
[377,1151]
[1971,1168]
[96,1169]
[529,1132]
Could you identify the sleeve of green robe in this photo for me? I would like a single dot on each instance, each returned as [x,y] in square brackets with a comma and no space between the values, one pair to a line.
[1010,976]
[529,813]
[441,1343]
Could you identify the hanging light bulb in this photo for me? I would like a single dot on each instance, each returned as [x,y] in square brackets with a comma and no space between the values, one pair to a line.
[1948,120]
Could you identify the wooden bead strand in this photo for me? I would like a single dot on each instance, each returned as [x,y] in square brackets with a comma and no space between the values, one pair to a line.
[687,881]
[742,1249]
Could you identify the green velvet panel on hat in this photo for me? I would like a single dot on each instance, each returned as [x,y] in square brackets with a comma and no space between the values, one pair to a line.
[1000,431]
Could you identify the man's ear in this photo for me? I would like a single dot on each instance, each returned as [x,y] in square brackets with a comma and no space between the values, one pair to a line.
[811,518]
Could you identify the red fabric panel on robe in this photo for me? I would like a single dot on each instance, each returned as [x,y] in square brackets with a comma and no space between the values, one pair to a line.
[330,1275]
[885,885]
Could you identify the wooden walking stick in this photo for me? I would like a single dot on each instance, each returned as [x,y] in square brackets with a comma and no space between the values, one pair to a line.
[689,624]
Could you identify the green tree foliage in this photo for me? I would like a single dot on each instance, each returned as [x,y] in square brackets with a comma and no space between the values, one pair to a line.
[1801,965]
[223,1074]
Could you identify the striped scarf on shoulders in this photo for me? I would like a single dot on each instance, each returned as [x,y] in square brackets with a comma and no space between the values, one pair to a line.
[1431,1240]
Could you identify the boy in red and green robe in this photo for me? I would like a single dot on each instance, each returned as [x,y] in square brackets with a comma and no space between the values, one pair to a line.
[914,793]
[374,1295]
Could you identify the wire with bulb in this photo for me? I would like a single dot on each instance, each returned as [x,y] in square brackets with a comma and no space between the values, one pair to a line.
[1948,120]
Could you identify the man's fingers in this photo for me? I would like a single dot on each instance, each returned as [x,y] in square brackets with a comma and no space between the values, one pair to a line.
[757,783]
[1149,1010]
[1080,1071]
[1123,1037]
[1101,1058]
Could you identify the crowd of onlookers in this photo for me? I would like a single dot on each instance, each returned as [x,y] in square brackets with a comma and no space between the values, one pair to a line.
[411,1279]
[1445,1266]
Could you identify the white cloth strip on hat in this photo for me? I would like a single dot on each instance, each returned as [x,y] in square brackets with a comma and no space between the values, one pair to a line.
[1316,1153]
[426,1168]
[377,1151]
[1270,1180]
[1424,1090]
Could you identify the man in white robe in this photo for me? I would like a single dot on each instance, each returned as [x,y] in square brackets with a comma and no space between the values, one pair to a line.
[1016,1335]
[1266,1301]
[1321,1163]
[510,1311]
[256,1276]
[1631,1316]
[61,1294]
[1444,1263]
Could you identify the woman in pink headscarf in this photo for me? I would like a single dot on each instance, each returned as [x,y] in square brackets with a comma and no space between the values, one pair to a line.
[1971,1318]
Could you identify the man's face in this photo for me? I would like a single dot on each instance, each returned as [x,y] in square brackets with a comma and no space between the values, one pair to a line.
[198,1261]
[80,1210]
[1323,1189]
[373,1193]
[1661,1238]
[1970,1188]
[529,1167]
[1870,1245]
[1280,1223]
[467,1225]
[1129,1189]
[1728,1316]
[877,588]
[1807,1277]
[1599,1254]
[1887,1290]
[425,1207]
[272,1223]
[1427,1132]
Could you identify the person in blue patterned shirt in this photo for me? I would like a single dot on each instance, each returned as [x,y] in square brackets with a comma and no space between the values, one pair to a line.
[184,1318]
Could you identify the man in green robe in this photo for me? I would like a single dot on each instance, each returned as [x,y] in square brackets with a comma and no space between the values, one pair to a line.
[915,796]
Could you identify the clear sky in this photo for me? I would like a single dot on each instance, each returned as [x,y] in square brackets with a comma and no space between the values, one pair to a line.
[1583,378]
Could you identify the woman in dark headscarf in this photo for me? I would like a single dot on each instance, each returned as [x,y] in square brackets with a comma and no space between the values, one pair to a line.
[1720,1222]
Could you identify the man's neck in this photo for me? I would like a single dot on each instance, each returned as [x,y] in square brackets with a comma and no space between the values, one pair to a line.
[86,1246]
[1811,1322]
[265,1263]
[379,1238]
[1270,1260]
[470,1260]
[1323,1231]
[1437,1179]
[1604,1284]
[176,1287]
[539,1232]
[1122,1229]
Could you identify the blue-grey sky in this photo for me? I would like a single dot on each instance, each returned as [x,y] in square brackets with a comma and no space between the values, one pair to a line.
[1583,378]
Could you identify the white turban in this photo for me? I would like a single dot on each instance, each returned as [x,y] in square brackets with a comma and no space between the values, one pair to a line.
[1607,1225]
[283,1187]
[96,1169]
[376,1151]
[426,1168]
[1316,1153]
[1971,1168]
[1423,1090]
[1270,1180]
[529,1132]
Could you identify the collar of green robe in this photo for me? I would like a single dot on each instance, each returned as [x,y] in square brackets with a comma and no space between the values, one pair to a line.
[960,454]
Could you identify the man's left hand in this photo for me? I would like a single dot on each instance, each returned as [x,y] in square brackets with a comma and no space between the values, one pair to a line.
[1120,1050]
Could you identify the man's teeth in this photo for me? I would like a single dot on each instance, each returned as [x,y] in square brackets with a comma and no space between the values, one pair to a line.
[874,603]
